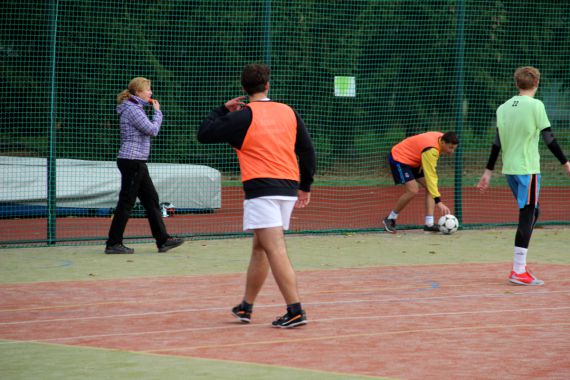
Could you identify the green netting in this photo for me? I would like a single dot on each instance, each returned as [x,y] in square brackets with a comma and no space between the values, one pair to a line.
[400,68]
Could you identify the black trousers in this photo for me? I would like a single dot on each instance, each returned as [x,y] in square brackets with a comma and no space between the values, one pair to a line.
[136,182]
[527,219]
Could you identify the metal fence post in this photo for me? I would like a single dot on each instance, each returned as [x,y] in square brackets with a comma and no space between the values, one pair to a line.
[460,67]
[51,158]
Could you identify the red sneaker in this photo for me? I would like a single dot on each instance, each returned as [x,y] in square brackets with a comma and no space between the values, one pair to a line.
[525,278]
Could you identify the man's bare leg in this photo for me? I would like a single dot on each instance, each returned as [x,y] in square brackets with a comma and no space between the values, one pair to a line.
[429,202]
[256,272]
[272,240]
[411,190]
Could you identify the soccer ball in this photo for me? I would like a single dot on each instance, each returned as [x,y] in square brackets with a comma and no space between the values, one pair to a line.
[448,224]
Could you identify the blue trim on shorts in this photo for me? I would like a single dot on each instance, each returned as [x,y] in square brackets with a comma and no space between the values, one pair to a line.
[403,173]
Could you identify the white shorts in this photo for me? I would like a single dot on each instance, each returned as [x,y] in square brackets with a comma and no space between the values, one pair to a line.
[266,212]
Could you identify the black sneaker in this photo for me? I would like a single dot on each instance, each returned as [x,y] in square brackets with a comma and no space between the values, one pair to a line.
[432,228]
[288,320]
[390,225]
[240,313]
[171,242]
[118,249]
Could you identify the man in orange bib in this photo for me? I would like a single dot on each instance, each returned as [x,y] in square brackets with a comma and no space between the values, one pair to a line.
[277,162]
[413,162]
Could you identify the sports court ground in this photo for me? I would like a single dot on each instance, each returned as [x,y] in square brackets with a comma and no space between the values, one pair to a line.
[406,306]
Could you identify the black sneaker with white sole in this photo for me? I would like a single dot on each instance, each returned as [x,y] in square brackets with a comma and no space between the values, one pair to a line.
[390,225]
[242,314]
[290,320]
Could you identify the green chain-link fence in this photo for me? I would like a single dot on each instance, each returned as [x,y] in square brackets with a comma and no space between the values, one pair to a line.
[400,68]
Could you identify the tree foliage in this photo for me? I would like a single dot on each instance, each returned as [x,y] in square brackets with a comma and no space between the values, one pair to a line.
[402,53]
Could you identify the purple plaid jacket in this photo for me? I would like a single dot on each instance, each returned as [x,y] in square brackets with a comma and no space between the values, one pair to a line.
[137,129]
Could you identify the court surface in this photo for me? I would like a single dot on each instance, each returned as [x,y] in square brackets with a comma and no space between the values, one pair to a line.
[411,306]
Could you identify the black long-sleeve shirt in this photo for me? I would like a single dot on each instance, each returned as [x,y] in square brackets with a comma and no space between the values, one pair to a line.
[222,126]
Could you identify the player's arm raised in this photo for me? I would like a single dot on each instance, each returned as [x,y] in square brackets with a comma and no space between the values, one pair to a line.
[223,125]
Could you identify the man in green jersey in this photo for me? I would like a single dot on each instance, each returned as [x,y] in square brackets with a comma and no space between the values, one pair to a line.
[520,121]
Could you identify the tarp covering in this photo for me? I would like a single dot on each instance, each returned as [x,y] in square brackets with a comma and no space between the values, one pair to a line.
[96,184]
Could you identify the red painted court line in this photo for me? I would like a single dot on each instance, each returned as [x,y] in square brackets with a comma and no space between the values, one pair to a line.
[370,321]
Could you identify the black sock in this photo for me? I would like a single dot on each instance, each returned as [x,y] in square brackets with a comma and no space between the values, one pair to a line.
[246,306]
[294,308]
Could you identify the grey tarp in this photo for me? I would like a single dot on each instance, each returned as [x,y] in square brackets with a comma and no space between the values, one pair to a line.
[96,184]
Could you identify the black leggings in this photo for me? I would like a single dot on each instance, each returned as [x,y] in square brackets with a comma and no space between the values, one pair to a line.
[136,182]
[528,216]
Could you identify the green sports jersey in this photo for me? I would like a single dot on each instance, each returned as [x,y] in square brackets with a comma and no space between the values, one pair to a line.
[519,121]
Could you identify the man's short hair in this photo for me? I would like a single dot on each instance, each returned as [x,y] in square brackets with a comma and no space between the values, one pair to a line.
[450,138]
[527,77]
[254,78]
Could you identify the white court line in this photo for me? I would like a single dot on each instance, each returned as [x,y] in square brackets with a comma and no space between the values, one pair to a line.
[312,321]
[193,310]
[174,299]
[307,294]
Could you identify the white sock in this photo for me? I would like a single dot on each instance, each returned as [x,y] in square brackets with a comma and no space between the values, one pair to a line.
[393,215]
[519,260]
[429,220]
